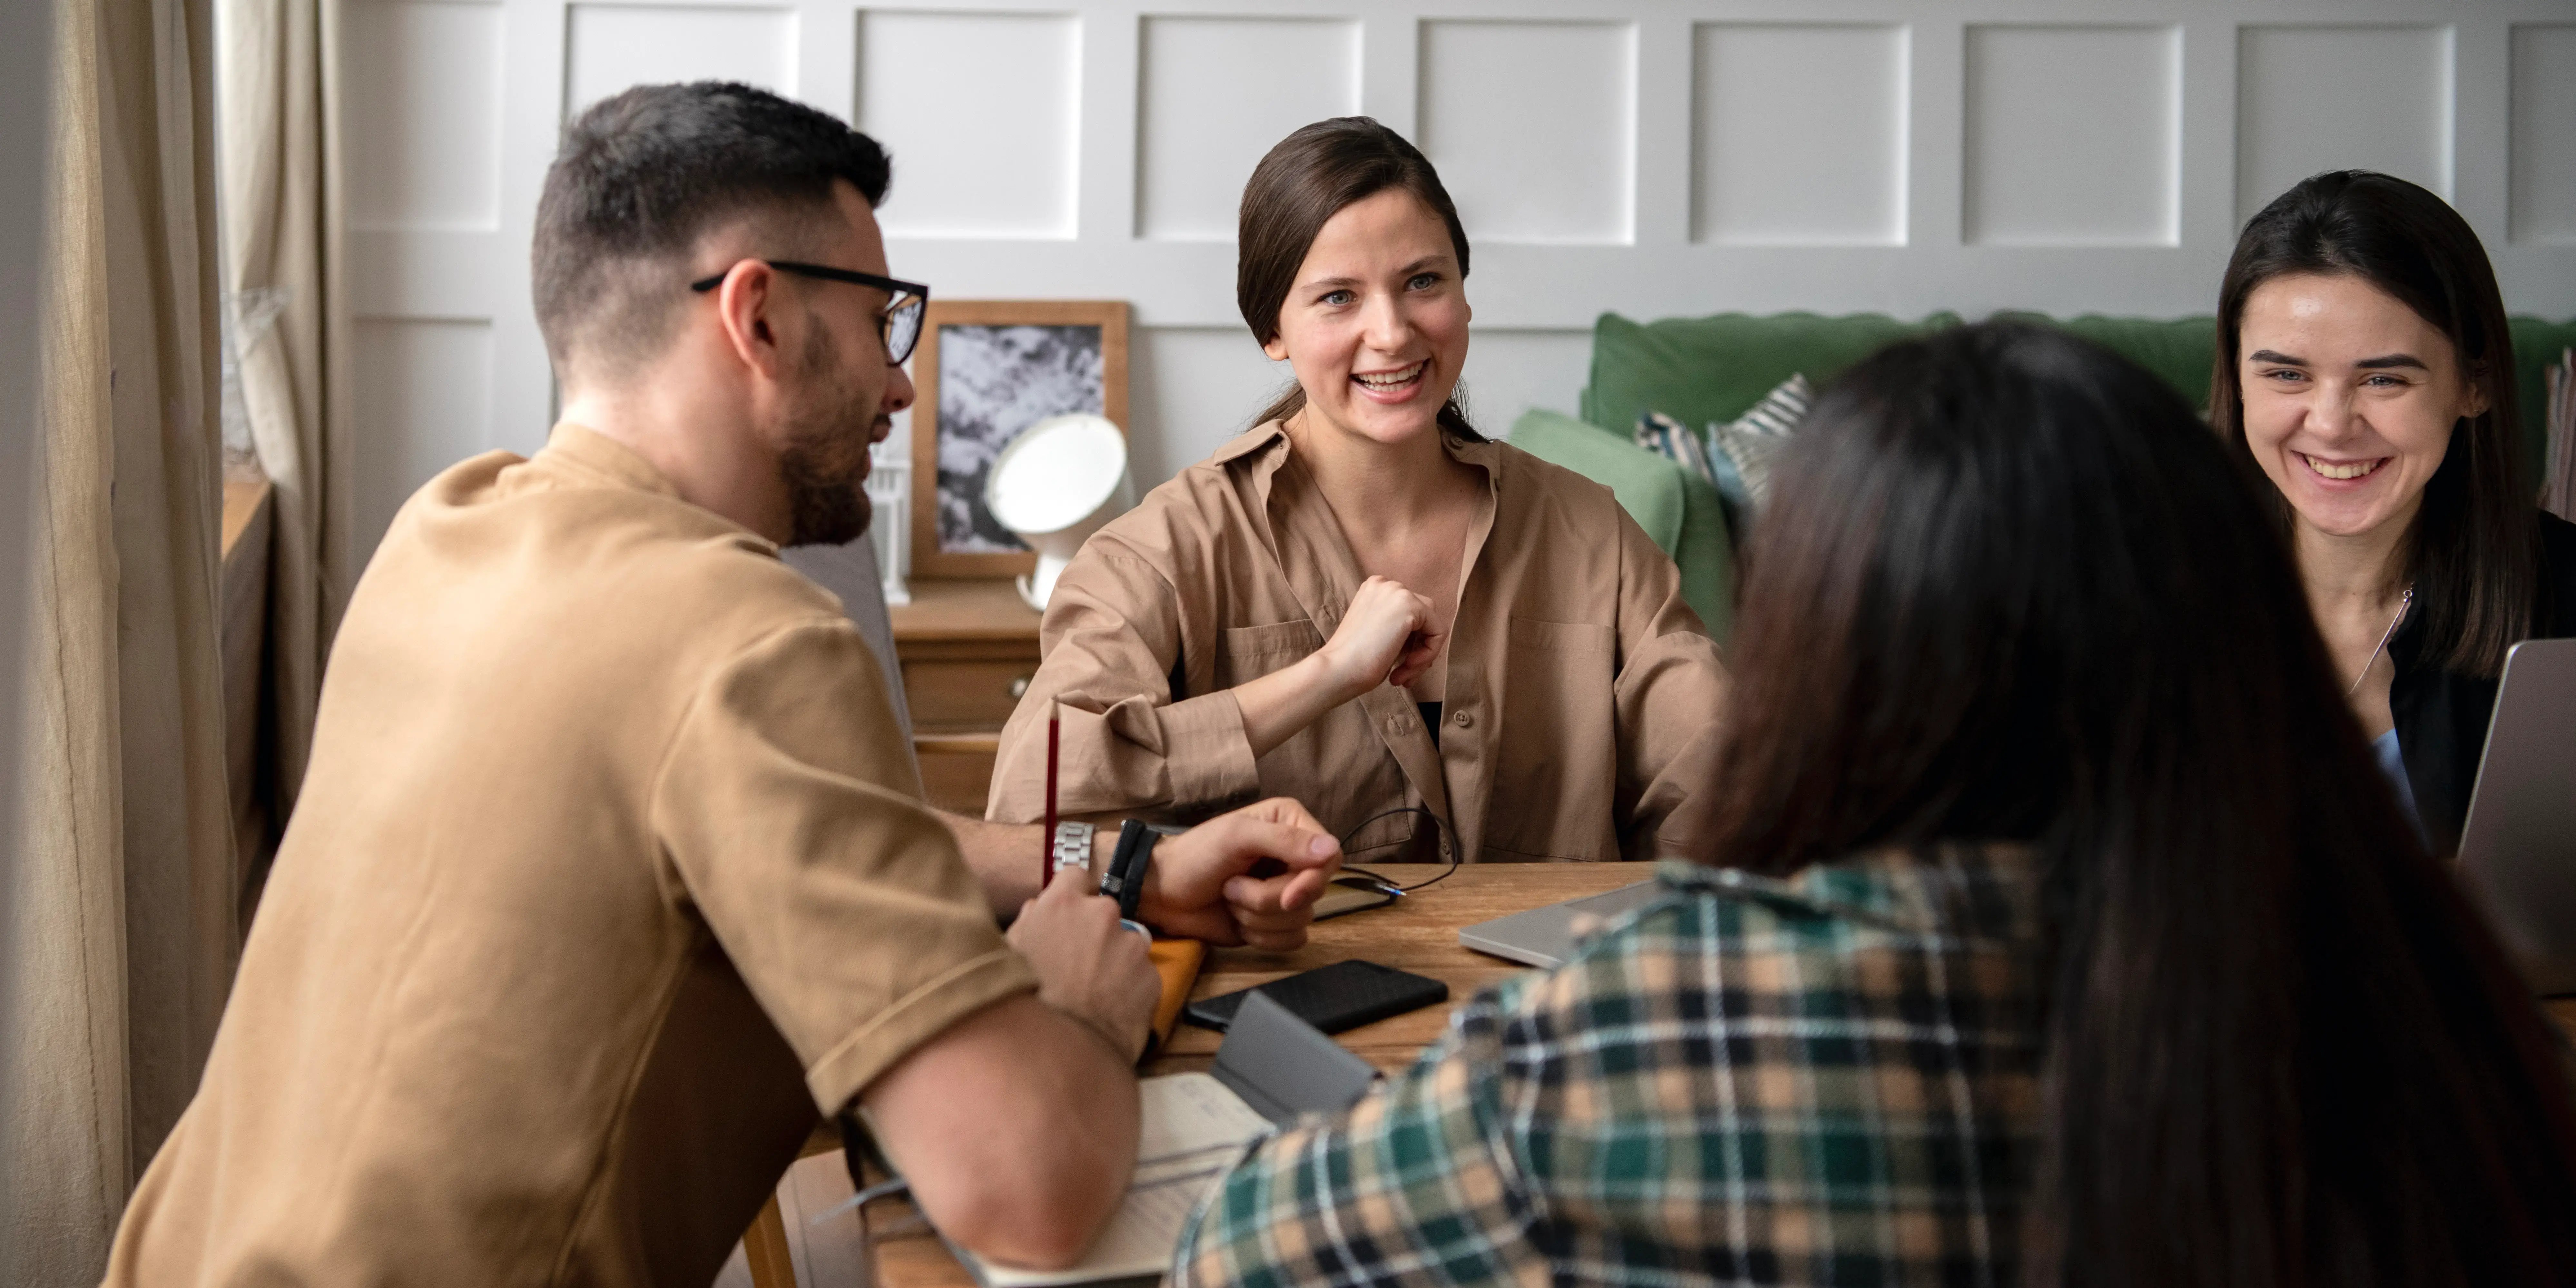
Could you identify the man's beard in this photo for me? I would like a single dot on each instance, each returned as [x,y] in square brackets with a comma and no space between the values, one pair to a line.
[825,461]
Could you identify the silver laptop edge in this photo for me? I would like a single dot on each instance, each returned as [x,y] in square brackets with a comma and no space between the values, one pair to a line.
[2518,842]
[1545,936]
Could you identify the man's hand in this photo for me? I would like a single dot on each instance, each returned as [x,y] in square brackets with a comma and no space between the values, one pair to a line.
[1249,877]
[1089,966]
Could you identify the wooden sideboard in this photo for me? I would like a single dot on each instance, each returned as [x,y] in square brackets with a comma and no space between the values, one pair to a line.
[967,647]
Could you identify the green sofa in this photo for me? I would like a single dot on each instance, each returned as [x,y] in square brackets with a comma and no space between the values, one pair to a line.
[1700,370]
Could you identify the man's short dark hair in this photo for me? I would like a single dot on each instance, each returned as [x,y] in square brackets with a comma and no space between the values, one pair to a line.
[644,174]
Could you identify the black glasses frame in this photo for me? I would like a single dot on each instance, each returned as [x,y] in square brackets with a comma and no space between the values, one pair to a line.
[910,298]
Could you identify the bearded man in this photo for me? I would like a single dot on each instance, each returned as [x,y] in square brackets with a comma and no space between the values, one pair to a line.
[610,873]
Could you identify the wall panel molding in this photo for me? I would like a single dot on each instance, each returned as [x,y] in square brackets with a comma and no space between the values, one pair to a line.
[1534,127]
[425,136]
[611,46]
[1653,157]
[1840,179]
[984,112]
[2338,96]
[2543,130]
[423,385]
[1210,103]
[2073,135]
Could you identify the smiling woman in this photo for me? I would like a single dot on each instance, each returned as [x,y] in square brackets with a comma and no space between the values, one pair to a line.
[2365,368]
[1441,645]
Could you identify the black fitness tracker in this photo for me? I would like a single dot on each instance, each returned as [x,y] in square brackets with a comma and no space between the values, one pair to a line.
[1125,879]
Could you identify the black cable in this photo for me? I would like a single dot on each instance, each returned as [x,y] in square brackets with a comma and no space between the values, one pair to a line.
[1439,826]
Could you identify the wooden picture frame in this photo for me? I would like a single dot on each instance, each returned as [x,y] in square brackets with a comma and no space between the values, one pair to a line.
[983,401]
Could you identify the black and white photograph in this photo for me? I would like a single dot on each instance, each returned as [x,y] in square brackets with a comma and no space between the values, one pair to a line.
[986,372]
[994,382]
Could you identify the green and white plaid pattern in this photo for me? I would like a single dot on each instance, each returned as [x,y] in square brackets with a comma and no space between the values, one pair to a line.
[1826,1080]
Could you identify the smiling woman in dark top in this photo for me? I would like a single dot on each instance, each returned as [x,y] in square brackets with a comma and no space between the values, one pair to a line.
[2364,366]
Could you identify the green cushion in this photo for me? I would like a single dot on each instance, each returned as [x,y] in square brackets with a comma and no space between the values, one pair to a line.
[1699,370]
[1678,509]
[2181,351]
[2537,342]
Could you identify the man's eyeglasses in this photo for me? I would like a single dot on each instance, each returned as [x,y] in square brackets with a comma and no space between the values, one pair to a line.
[899,326]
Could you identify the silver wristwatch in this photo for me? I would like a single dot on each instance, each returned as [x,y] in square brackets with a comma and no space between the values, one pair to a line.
[1073,846]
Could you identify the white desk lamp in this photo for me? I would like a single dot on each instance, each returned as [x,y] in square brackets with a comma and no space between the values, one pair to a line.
[1054,486]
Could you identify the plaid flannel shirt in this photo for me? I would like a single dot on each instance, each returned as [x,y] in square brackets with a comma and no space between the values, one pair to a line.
[1831,1079]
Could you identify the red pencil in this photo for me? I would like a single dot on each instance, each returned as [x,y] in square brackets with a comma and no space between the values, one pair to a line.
[1046,839]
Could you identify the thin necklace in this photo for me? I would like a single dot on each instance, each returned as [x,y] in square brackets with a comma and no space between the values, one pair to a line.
[2382,645]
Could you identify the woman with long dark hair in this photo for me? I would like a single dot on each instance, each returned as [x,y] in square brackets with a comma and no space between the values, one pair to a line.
[2047,938]
[1442,646]
[2365,368]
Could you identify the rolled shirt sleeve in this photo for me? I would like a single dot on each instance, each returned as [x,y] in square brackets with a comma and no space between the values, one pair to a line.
[790,814]
[1113,639]
[1669,696]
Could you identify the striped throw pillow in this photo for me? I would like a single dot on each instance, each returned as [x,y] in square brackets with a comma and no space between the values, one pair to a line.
[1675,442]
[1754,440]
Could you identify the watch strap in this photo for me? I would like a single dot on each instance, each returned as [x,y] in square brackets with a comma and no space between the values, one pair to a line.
[1072,846]
[1125,879]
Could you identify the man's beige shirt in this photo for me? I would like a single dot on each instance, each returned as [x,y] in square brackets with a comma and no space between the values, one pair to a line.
[608,874]
[1577,676]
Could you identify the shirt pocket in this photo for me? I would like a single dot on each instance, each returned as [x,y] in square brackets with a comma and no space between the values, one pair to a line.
[1250,652]
[1556,750]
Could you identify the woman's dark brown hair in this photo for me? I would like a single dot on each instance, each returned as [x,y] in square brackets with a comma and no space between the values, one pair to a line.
[1296,189]
[2009,588]
[2473,556]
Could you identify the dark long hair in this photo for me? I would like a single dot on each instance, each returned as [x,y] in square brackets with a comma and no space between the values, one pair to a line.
[2474,553]
[1296,189]
[2009,588]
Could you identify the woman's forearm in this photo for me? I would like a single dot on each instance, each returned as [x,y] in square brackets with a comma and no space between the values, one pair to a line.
[1279,705]
[1386,634]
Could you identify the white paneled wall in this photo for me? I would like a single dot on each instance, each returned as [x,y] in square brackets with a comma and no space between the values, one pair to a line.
[2544,110]
[1192,162]
[426,112]
[2103,106]
[2381,96]
[1838,179]
[996,99]
[1656,157]
[420,381]
[1533,126]
[612,46]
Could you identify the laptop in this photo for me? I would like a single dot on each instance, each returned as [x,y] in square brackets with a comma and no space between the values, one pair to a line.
[1545,937]
[2518,845]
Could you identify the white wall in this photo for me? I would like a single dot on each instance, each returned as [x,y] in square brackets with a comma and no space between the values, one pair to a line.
[1656,157]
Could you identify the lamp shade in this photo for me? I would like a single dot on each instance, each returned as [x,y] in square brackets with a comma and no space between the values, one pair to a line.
[1054,486]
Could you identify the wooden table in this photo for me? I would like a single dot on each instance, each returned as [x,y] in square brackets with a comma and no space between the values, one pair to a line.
[1418,933]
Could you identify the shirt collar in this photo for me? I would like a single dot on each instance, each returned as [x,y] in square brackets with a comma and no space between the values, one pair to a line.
[596,454]
[1268,442]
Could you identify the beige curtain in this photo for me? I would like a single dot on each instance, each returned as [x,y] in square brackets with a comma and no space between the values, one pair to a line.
[282,260]
[122,902]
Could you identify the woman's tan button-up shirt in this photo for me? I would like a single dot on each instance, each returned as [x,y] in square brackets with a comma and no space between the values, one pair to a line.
[1577,676]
